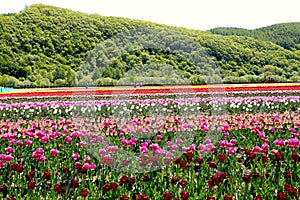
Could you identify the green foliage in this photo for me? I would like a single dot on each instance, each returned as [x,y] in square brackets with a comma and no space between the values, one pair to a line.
[286,35]
[48,46]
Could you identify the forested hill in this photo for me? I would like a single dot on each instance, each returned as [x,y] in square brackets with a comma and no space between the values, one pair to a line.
[46,45]
[286,35]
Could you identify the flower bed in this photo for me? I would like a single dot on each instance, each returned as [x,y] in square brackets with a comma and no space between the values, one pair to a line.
[159,148]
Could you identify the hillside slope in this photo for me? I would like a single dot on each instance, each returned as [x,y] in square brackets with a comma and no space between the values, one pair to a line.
[46,45]
[286,35]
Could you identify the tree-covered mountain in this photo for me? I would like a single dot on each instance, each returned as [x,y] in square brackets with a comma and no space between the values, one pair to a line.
[286,35]
[46,45]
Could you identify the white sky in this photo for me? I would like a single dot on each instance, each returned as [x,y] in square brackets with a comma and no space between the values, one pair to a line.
[194,14]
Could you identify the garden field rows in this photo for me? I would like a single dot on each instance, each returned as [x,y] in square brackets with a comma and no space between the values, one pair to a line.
[173,143]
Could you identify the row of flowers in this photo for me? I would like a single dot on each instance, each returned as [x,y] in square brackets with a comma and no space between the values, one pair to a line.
[155,90]
[129,108]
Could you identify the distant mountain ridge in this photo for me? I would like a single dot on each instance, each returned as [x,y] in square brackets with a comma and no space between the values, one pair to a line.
[46,45]
[286,35]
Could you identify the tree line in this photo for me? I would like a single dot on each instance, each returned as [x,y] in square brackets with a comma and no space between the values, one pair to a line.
[51,46]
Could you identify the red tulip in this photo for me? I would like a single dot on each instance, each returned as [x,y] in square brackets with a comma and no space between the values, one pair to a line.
[257,197]
[212,164]
[210,198]
[281,196]
[167,196]
[57,188]
[189,156]
[200,160]
[66,170]
[265,159]
[221,157]
[123,180]
[278,156]
[142,197]
[31,185]
[183,165]
[228,197]
[31,174]
[183,183]
[124,197]
[146,178]
[255,174]
[84,193]
[106,187]
[74,184]
[295,157]
[113,186]
[184,195]
[46,175]
[174,180]
[3,189]
[246,178]
[287,174]
[292,192]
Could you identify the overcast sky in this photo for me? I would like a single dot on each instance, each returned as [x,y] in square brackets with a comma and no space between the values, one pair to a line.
[194,14]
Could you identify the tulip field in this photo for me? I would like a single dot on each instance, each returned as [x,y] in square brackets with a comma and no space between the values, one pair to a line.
[217,143]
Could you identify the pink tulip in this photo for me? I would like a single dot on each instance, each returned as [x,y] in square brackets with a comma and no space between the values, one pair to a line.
[8,158]
[53,152]
[102,151]
[169,143]
[134,140]
[168,154]
[274,151]
[233,142]
[9,150]
[42,159]
[200,147]
[68,139]
[112,149]
[223,143]
[82,143]
[12,141]
[226,134]
[2,157]
[19,143]
[74,135]
[144,150]
[154,147]
[144,144]
[92,166]
[179,141]
[174,147]
[213,149]
[99,139]
[129,143]
[75,156]
[256,149]
[124,142]
[208,141]
[192,148]
[2,164]
[28,142]
[65,131]
[231,151]
[45,139]
[86,166]
[39,151]
[77,164]
[159,137]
